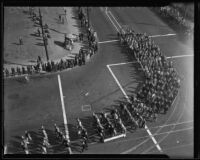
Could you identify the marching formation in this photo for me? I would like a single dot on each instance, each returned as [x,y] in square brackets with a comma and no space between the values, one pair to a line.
[44,145]
[156,95]
[162,81]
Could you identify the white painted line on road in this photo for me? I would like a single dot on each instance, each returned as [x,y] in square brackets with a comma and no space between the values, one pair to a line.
[119,85]
[115,19]
[117,64]
[181,56]
[157,134]
[154,140]
[170,148]
[172,57]
[147,129]
[108,41]
[117,22]
[63,108]
[112,22]
[163,138]
[172,124]
[162,35]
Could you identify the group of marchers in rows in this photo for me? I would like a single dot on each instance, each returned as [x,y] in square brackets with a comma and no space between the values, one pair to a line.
[154,97]
[45,145]
[162,81]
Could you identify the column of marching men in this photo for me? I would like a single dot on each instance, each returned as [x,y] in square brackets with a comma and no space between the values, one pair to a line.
[162,81]
[52,66]
[60,136]
[108,125]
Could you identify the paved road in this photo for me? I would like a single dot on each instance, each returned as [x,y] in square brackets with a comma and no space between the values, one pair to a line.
[38,102]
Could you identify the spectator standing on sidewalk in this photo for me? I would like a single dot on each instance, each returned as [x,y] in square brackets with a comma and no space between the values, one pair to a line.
[59,17]
[38,30]
[7,72]
[20,41]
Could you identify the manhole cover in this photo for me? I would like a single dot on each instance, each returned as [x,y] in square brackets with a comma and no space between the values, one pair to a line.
[86,108]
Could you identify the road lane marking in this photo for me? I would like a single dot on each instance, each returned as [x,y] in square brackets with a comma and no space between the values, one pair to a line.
[119,85]
[172,103]
[181,56]
[117,64]
[163,138]
[163,35]
[147,129]
[135,147]
[63,108]
[112,21]
[177,147]
[153,36]
[108,41]
[172,57]
[115,20]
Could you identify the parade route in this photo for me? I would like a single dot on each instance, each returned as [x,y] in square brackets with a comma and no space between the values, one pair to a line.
[108,79]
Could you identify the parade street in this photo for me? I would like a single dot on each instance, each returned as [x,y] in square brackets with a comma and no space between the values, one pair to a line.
[110,77]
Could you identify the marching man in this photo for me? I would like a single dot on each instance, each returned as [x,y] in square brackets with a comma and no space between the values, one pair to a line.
[28,136]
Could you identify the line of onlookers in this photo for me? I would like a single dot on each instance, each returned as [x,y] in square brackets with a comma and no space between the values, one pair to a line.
[52,66]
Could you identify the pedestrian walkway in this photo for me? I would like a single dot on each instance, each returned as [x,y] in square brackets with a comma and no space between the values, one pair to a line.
[66,49]
[29,51]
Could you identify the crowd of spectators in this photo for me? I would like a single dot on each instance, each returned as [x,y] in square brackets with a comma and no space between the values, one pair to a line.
[175,16]
[51,66]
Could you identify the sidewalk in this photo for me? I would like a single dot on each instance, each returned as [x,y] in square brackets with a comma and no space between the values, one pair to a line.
[26,54]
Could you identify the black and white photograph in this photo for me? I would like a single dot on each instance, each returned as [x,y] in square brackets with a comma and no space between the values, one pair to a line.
[99,80]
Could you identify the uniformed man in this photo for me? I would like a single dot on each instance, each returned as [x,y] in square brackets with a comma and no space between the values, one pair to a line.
[24,144]
[84,133]
[28,136]
[44,150]
[7,72]
[13,71]
[44,132]
[45,142]
[59,17]
[23,70]
[84,145]
[38,30]
[101,137]
[57,130]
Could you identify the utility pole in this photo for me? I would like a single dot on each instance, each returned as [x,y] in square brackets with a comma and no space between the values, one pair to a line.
[43,35]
